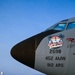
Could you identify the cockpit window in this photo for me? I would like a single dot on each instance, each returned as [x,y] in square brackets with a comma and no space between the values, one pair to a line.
[60,27]
[71,25]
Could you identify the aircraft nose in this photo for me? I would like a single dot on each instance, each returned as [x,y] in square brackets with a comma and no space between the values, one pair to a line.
[24,52]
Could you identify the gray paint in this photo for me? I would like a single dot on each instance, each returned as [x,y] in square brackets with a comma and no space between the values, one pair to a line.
[67,51]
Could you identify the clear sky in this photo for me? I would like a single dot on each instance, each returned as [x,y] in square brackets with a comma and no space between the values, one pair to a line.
[20,19]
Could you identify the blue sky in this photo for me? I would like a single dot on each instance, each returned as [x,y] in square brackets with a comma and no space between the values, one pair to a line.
[20,19]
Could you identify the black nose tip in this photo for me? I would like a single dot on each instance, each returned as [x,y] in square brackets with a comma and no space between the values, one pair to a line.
[24,52]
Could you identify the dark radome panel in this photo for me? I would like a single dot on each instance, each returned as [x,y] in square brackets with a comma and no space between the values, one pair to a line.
[24,52]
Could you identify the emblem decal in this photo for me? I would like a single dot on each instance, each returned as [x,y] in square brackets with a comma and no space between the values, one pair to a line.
[55,41]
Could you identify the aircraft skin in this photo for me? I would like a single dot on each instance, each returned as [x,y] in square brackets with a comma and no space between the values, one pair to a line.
[52,51]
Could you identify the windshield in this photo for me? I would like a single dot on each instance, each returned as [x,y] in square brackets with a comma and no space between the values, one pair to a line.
[60,26]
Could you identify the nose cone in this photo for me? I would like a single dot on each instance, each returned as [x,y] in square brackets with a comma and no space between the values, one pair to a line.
[24,52]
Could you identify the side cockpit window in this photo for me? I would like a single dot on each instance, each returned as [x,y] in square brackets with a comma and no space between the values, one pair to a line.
[71,25]
[60,27]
